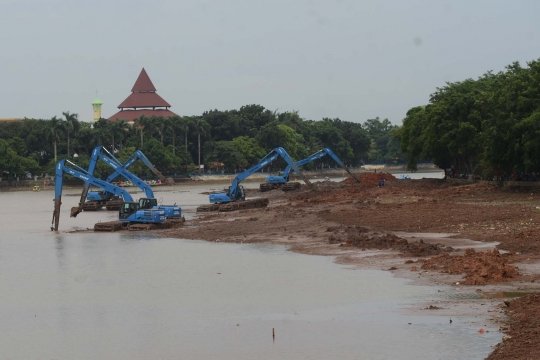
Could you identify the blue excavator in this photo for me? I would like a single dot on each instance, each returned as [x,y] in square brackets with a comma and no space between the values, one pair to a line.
[130,212]
[95,200]
[100,153]
[282,181]
[235,197]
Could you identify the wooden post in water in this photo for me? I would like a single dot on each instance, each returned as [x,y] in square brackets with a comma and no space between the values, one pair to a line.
[273,334]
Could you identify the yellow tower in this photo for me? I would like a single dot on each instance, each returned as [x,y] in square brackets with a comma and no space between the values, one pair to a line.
[96,104]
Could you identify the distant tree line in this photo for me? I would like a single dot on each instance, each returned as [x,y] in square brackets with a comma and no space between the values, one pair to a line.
[227,141]
[489,126]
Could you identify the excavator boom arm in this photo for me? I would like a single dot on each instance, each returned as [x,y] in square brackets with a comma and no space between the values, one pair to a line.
[267,159]
[317,155]
[137,155]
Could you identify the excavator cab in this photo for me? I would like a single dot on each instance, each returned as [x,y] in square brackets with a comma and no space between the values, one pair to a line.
[241,193]
[127,209]
[146,203]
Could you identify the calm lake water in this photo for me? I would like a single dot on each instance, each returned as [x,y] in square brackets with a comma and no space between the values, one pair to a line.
[134,296]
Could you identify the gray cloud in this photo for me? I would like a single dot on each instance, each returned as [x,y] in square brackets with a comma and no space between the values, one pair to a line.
[349,59]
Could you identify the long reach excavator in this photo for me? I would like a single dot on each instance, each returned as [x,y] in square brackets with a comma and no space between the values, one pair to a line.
[235,197]
[95,200]
[130,212]
[282,181]
[100,153]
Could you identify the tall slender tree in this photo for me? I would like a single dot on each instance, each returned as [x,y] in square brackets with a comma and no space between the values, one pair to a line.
[184,126]
[174,123]
[139,124]
[53,133]
[161,125]
[150,125]
[200,127]
[118,131]
[71,126]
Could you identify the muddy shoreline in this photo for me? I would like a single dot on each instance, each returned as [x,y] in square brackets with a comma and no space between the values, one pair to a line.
[418,229]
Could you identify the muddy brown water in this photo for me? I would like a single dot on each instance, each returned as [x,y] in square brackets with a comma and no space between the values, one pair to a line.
[134,296]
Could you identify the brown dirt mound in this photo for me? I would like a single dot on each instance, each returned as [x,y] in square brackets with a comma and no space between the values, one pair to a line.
[479,268]
[521,340]
[360,237]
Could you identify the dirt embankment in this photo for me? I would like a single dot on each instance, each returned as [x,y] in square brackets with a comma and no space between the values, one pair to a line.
[522,330]
[346,219]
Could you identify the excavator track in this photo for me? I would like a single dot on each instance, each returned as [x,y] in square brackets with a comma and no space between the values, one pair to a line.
[233,206]
[143,227]
[291,186]
[114,205]
[269,186]
[92,206]
[110,226]
[177,222]
[208,208]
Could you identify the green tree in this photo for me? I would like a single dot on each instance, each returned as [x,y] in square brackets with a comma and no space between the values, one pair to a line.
[249,148]
[18,145]
[224,152]
[330,136]
[103,133]
[13,163]
[274,135]
[161,156]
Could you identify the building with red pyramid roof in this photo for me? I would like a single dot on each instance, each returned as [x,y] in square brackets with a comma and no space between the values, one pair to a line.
[143,101]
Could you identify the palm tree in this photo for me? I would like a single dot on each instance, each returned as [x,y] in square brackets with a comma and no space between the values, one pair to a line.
[150,125]
[184,125]
[174,123]
[118,131]
[71,125]
[139,126]
[200,127]
[53,133]
[161,125]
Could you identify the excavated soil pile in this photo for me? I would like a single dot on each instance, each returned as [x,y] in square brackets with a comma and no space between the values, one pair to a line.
[521,341]
[373,178]
[479,268]
[360,237]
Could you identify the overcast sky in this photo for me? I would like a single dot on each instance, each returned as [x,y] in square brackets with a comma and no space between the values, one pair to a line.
[350,59]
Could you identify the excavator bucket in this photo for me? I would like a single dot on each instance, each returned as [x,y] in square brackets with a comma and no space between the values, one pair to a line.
[353,175]
[74,211]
